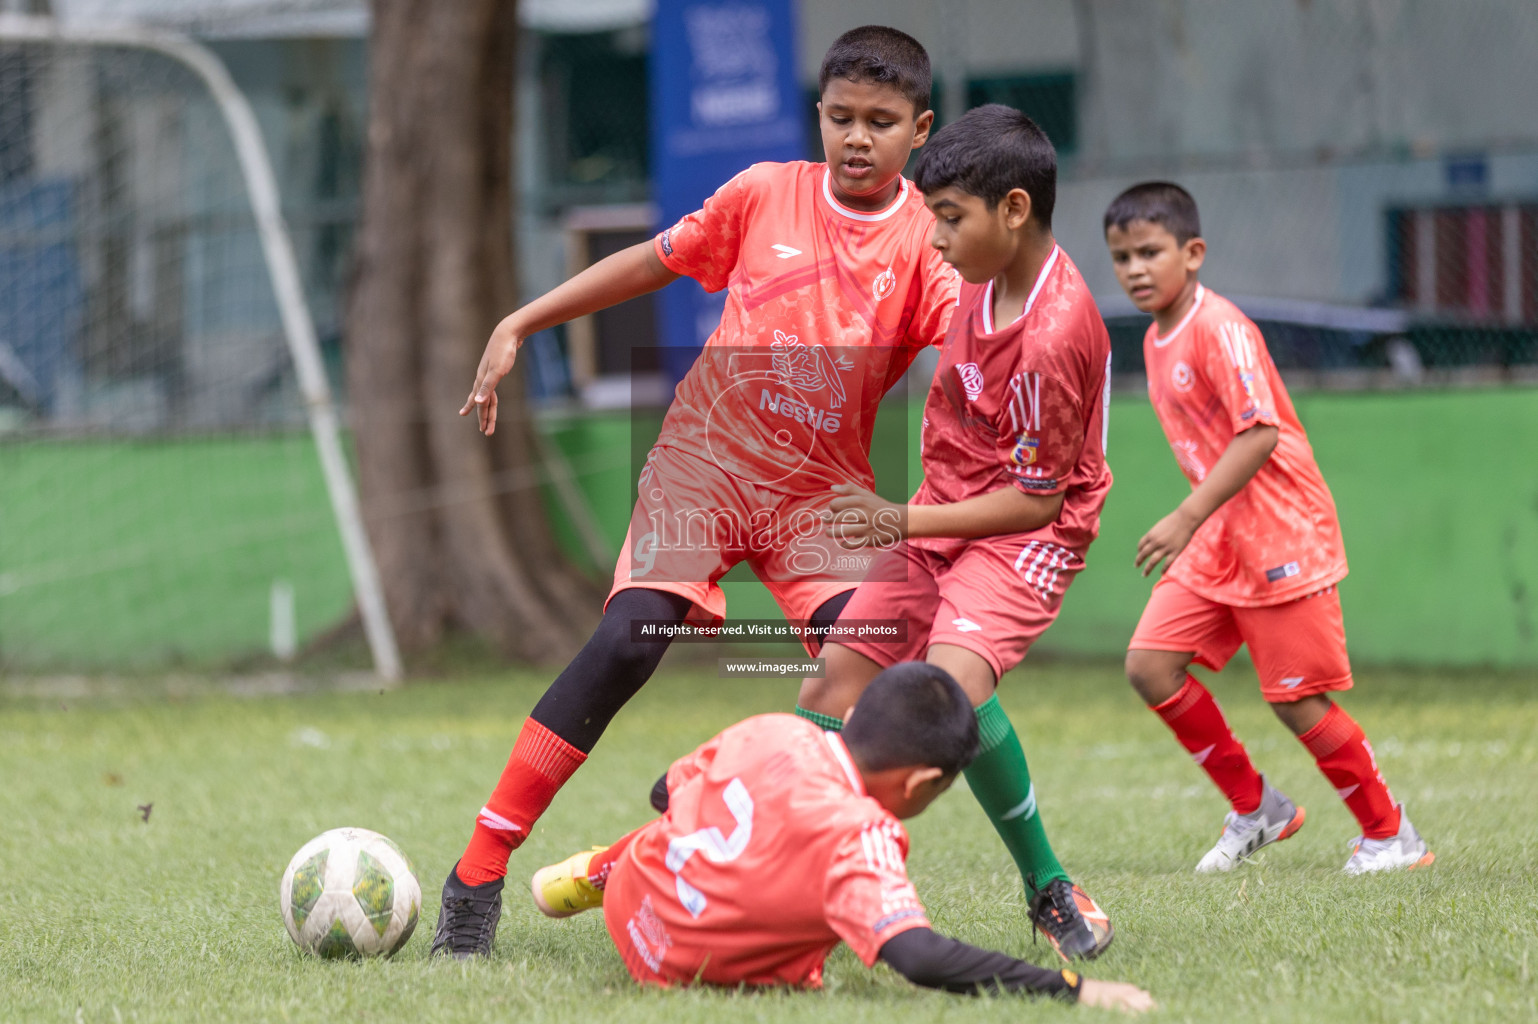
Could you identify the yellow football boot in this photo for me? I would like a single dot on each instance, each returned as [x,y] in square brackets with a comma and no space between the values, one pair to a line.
[562,890]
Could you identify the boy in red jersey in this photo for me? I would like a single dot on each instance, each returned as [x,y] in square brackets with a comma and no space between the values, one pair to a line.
[1014,479]
[779,839]
[1252,555]
[831,292]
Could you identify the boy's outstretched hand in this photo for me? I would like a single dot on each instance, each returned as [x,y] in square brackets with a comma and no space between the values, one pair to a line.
[496,363]
[859,518]
[1114,995]
[1166,540]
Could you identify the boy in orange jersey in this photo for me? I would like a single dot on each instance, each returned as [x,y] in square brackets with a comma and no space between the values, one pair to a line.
[778,840]
[1252,555]
[1014,479]
[831,292]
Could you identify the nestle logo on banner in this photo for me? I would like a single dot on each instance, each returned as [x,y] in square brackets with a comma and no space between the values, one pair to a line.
[801,412]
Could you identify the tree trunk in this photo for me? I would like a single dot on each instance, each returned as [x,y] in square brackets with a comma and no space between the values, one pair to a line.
[456,519]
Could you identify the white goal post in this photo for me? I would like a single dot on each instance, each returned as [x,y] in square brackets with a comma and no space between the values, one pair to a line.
[297,324]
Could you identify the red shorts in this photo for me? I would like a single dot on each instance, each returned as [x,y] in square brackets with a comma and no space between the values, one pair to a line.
[1299,647]
[993,596]
[693,521]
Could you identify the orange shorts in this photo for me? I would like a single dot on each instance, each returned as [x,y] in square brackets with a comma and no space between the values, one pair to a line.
[1299,648]
[993,596]
[693,521]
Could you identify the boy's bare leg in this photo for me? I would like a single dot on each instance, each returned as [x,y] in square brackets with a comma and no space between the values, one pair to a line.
[1157,675]
[847,675]
[968,668]
[1302,715]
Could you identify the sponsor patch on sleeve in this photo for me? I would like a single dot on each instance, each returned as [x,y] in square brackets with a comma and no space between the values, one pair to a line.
[1281,572]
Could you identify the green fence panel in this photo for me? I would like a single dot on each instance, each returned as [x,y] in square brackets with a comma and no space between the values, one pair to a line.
[1438,499]
[123,554]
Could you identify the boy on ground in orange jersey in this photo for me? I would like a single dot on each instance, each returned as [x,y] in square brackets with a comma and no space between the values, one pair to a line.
[1251,556]
[832,290]
[779,839]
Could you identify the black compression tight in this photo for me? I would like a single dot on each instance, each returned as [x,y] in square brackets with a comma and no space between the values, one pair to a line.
[827,614]
[612,667]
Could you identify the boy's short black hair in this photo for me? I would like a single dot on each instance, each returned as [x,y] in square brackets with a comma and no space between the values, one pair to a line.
[987,152]
[875,53]
[1158,202]
[913,713]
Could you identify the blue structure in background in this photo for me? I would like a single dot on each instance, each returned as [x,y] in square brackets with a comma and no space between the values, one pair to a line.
[41,294]
[723,96]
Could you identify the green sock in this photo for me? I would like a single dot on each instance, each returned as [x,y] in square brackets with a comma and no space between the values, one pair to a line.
[818,718]
[1001,782]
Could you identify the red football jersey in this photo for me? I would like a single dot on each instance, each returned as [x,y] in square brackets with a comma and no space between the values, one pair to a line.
[1279,537]
[825,309]
[769,854]
[1023,405]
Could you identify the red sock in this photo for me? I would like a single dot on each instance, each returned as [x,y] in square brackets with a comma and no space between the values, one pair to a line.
[1198,724]
[1345,757]
[598,868]
[539,766]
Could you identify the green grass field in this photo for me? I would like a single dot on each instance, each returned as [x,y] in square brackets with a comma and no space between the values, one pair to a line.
[104,917]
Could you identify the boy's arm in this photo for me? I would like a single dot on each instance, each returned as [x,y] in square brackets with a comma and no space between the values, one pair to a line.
[1240,461]
[612,280]
[929,959]
[861,518]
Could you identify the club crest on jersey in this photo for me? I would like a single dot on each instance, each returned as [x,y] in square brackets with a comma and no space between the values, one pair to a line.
[971,380]
[1182,379]
[883,285]
[1024,453]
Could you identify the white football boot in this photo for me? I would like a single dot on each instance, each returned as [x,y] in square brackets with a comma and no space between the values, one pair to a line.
[1405,849]
[1244,834]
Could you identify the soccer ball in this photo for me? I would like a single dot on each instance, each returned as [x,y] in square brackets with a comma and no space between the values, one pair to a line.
[350,892]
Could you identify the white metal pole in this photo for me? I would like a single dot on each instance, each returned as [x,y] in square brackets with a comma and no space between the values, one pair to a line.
[298,326]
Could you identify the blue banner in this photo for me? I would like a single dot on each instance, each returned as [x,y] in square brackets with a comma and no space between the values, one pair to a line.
[723,96]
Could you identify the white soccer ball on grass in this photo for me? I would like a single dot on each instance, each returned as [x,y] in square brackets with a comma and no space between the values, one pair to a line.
[350,892]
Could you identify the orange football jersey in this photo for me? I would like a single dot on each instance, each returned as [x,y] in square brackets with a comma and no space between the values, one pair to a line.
[825,309]
[1279,538]
[769,854]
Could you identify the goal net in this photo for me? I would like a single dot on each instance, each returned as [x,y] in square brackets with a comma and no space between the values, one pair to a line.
[161,502]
